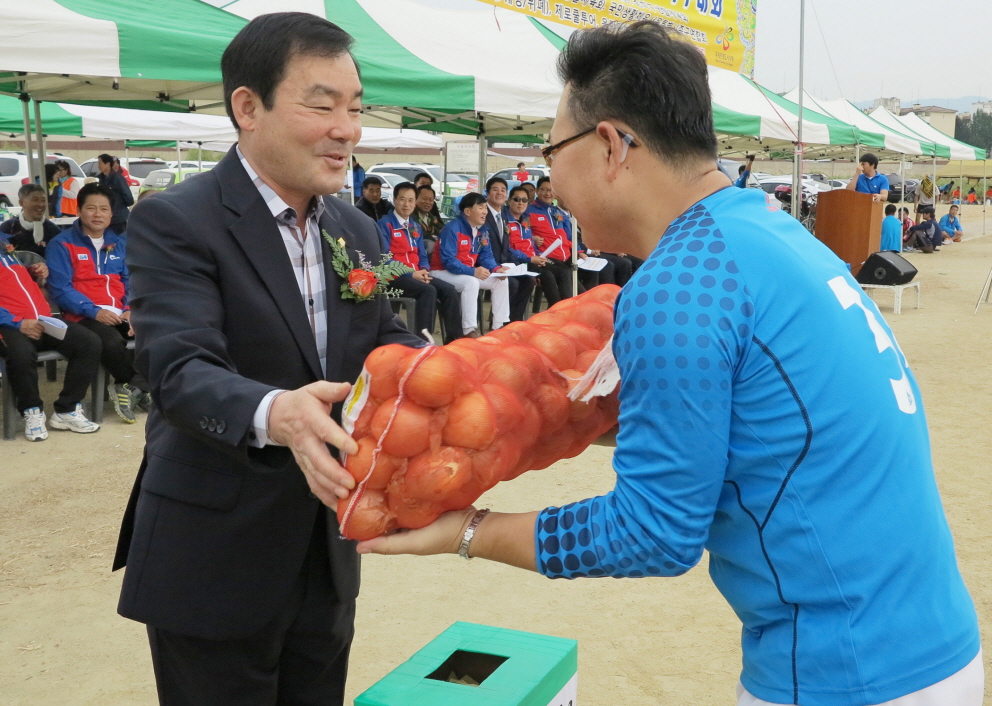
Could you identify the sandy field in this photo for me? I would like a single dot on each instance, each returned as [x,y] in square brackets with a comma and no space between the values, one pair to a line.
[646,641]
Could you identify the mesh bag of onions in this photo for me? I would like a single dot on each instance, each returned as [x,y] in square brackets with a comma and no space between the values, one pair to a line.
[438,426]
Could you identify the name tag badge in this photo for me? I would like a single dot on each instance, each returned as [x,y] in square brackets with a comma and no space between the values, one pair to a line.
[82,256]
[464,242]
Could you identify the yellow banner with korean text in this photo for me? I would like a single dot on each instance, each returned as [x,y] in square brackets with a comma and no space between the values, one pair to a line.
[724,30]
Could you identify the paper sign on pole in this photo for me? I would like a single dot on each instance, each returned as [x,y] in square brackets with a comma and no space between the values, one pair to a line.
[722,29]
[462,157]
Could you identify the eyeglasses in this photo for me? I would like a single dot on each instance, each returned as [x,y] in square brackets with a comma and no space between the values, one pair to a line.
[549,152]
[516,199]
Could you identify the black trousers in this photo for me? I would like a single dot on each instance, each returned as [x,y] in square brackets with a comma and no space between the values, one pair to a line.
[300,659]
[116,357]
[436,297]
[623,268]
[521,289]
[556,280]
[80,347]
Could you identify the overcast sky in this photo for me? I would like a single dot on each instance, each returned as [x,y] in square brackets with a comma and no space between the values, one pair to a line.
[906,48]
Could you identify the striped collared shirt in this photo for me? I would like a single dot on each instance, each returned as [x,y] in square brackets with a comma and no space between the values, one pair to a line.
[306,255]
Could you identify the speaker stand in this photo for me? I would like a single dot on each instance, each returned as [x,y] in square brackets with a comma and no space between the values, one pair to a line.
[986,291]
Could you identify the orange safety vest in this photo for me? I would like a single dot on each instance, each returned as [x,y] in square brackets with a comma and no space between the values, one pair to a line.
[68,205]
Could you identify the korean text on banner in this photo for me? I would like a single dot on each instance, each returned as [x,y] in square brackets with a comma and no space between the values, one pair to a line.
[722,29]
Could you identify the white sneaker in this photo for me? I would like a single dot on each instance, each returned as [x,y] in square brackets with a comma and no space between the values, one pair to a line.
[73,421]
[34,425]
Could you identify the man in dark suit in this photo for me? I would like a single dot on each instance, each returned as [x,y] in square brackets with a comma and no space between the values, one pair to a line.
[520,287]
[232,548]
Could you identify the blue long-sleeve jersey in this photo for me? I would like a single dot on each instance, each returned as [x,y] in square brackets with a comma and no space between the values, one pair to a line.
[768,415]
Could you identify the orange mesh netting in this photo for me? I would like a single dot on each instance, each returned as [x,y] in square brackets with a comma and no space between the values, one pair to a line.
[438,426]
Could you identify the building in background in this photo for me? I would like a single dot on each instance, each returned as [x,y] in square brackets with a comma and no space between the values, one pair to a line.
[982,107]
[893,105]
[940,118]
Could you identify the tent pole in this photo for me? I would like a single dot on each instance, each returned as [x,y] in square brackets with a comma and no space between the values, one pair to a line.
[797,168]
[483,148]
[179,163]
[127,155]
[28,147]
[199,146]
[902,180]
[42,153]
[985,189]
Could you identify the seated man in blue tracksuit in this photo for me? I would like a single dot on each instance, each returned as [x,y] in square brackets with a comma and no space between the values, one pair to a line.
[767,414]
[404,240]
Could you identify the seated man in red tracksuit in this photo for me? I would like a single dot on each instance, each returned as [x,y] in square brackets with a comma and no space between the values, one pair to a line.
[547,224]
[89,282]
[21,303]
[403,238]
[464,259]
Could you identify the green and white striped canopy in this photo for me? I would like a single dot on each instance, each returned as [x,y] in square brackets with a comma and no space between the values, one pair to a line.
[957,149]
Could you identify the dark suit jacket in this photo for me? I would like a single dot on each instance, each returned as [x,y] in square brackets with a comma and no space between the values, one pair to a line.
[500,245]
[215,532]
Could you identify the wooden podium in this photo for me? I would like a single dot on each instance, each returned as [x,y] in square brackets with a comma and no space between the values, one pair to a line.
[850,224]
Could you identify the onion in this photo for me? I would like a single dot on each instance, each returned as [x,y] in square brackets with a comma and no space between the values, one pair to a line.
[436,477]
[559,349]
[371,517]
[438,379]
[595,314]
[552,318]
[606,293]
[583,361]
[523,465]
[521,330]
[465,349]
[409,433]
[514,376]
[410,512]
[471,422]
[586,337]
[363,425]
[506,406]
[491,465]
[385,365]
[488,340]
[530,426]
[553,406]
[577,410]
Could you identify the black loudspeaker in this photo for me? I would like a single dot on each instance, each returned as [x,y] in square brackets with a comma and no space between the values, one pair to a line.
[886,267]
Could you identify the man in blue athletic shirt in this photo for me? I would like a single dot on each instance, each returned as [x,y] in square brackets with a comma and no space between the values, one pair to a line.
[868,181]
[767,414]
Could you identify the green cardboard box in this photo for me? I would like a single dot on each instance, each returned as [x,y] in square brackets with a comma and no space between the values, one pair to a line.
[510,668]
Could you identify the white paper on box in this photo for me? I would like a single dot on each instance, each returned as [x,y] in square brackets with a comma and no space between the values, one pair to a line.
[593,264]
[513,271]
[55,328]
[551,248]
[566,697]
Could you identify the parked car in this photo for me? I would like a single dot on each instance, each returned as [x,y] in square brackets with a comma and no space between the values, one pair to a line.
[191,164]
[534,172]
[454,185]
[162,179]
[14,173]
[896,188]
[838,183]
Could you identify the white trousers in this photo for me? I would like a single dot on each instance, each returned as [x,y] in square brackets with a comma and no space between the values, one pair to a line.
[963,688]
[468,287]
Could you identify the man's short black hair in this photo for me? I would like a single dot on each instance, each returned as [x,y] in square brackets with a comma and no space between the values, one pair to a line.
[517,188]
[644,76]
[424,175]
[928,211]
[29,189]
[257,56]
[370,180]
[740,170]
[106,159]
[472,198]
[404,186]
[543,180]
[890,210]
[869,158]
[425,187]
[93,189]
[954,205]
[496,180]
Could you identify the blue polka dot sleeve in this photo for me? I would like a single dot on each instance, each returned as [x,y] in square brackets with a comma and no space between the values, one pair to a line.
[682,325]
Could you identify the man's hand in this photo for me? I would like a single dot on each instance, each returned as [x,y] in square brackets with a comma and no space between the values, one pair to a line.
[105,316]
[539,261]
[481,272]
[858,171]
[422,276]
[32,328]
[501,268]
[301,420]
[126,318]
[443,536]
[538,241]
[582,256]
[39,270]
[595,253]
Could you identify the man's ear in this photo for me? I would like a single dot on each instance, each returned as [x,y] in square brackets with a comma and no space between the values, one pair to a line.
[612,148]
[245,104]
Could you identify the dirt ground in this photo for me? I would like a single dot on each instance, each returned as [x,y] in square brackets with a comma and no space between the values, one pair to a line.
[647,641]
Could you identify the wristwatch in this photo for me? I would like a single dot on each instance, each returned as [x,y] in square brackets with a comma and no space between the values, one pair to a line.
[470,532]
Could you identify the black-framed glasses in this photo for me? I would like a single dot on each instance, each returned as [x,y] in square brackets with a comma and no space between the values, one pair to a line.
[549,152]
